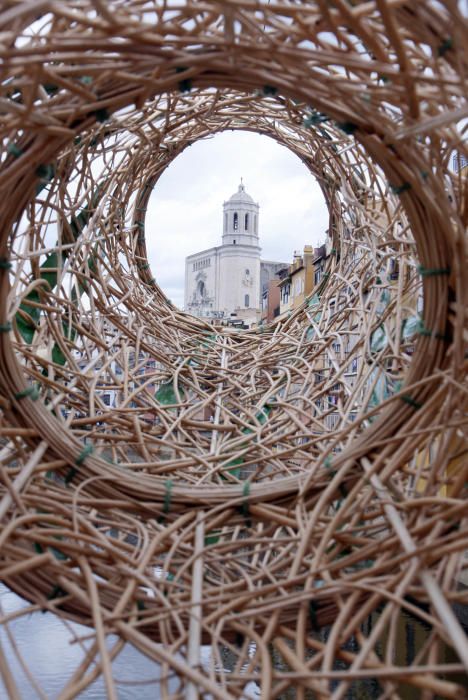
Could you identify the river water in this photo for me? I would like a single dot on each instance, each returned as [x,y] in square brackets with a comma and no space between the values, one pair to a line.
[45,643]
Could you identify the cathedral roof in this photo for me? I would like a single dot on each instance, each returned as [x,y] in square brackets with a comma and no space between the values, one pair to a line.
[241,195]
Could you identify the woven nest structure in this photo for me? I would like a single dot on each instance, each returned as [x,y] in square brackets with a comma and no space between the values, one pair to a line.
[244,493]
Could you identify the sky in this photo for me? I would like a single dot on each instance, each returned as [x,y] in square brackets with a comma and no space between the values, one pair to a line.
[186,207]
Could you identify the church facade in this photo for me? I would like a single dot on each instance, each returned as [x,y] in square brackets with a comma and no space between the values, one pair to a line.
[227,280]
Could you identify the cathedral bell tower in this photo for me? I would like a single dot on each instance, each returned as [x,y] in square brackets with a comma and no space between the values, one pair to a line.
[239,277]
[240,219]
[224,281]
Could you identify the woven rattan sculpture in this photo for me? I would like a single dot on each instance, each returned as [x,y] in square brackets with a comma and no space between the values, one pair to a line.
[270,533]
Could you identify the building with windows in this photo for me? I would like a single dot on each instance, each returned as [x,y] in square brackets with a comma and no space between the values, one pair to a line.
[271,301]
[227,280]
[302,275]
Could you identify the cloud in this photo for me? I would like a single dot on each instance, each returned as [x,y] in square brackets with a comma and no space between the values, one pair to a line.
[185,209]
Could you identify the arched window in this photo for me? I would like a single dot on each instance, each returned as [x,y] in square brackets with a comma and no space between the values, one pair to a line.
[247,301]
[201,289]
[236,221]
[246,225]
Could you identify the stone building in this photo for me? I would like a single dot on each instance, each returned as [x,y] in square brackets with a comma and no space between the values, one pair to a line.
[227,280]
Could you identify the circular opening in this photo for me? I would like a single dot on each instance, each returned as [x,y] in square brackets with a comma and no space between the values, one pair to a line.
[185,211]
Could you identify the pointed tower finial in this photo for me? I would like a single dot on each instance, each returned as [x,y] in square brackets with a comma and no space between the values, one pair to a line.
[241,186]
